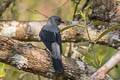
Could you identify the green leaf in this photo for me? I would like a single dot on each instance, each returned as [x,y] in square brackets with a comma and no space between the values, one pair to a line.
[107,31]
[71,27]
[66,28]
[97,23]
[108,53]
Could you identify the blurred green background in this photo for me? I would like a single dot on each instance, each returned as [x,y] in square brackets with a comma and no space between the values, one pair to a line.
[36,10]
[24,10]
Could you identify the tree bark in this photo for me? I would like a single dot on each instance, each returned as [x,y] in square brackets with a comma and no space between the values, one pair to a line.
[29,58]
[29,31]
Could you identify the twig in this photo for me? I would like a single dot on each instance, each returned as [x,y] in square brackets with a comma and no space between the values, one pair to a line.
[92,45]
[41,13]
[38,12]
[5,5]
[75,10]
[85,4]
[61,5]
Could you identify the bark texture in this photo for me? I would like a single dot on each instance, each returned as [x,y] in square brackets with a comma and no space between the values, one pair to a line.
[29,31]
[29,58]
[109,12]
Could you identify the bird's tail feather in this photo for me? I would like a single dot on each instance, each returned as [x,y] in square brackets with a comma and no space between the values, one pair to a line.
[57,58]
[58,66]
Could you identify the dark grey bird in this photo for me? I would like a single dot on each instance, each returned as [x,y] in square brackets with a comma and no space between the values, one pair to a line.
[50,35]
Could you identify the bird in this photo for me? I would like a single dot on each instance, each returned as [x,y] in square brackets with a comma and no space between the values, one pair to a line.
[50,36]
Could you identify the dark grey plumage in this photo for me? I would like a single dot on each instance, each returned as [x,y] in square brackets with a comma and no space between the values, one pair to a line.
[50,35]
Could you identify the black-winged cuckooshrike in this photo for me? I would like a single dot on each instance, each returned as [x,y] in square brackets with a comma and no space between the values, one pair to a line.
[50,35]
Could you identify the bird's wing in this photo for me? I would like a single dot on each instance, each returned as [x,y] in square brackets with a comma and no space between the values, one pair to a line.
[47,37]
[56,46]
[53,41]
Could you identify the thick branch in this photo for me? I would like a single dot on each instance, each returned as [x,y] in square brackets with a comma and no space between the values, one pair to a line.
[35,60]
[32,59]
[24,30]
[29,31]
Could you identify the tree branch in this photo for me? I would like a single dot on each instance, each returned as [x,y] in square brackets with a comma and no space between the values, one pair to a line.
[29,31]
[35,60]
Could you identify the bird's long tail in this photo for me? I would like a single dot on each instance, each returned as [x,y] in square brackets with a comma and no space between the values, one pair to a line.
[57,58]
[58,66]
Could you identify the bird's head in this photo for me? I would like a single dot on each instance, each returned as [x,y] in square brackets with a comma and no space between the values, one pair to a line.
[55,20]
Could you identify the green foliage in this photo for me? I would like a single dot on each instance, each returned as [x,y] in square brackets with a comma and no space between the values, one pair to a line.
[71,27]
[3,67]
[97,23]
[103,54]
[107,31]
[115,73]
